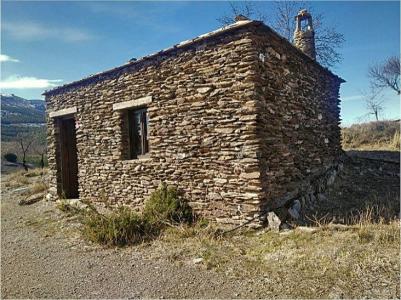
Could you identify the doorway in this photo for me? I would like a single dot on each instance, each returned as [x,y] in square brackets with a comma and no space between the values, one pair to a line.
[68,159]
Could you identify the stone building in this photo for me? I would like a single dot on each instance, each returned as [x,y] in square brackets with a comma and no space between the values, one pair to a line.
[241,120]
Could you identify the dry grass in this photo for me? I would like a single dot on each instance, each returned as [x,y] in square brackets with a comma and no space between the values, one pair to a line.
[16,179]
[38,187]
[119,228]
[381,135]
[374,209]
[24,178]
[330,261]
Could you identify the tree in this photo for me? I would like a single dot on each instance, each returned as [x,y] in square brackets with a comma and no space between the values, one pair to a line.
[374,103]
[327,40]
[25,142]
[386,74]
[39,146]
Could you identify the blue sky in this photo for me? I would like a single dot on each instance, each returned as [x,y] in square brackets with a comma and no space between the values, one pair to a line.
[49,43]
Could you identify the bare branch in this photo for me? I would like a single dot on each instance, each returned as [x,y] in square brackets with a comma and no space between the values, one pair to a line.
[327,40]
[386,75]
[25,142]
[374,103]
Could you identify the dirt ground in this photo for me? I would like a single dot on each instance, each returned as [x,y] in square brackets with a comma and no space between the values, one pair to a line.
[44,256]
[40,258]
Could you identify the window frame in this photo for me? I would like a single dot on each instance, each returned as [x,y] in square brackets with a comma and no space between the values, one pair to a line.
[138,136]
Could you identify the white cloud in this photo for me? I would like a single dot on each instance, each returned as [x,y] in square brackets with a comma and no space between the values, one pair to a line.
[350,98]
[31,31]
[4,58]
[21,82]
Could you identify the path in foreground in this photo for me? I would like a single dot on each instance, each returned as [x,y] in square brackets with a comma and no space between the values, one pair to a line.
[38,262]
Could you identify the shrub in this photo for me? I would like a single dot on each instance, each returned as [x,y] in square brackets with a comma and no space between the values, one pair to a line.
[11,157]
[123,226]
[167,206]
[119,228]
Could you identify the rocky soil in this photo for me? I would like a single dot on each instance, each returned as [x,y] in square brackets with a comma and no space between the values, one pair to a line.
[41,258]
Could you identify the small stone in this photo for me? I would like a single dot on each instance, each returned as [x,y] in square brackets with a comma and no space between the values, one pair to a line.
[204,90]
[197,260]
[220,180]
[273,220]
[252,175]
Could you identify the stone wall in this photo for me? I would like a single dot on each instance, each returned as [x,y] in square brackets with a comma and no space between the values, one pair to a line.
[237,121]
[202,130]
[298,119]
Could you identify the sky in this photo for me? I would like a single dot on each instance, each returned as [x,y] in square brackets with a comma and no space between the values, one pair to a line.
[45,44]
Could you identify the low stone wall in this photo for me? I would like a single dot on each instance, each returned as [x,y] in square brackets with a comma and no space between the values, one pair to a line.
[304,198]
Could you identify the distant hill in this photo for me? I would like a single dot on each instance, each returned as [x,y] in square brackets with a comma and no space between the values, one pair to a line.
[380,135]
[17,110]
[19,115]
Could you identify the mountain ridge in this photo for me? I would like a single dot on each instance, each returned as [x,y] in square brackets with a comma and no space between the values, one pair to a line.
[18,110]
[21,116]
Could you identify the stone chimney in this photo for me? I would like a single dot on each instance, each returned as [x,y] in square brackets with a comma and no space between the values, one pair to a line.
[240,18]
[304,35]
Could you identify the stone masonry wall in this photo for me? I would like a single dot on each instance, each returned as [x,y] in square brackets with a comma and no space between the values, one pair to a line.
[298,119]
[202,130]
[240,123]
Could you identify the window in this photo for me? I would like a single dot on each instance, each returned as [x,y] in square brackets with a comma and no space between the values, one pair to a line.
[138,121]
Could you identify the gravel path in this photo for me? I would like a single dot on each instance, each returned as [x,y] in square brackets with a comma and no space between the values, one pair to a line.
[40,258]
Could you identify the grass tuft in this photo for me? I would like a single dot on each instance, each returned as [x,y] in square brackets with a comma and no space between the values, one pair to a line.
[119,228]
[38,187]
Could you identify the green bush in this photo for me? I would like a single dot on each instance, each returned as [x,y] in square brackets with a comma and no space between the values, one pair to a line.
[167,206]
[11,157]
[121,227]
[126,227]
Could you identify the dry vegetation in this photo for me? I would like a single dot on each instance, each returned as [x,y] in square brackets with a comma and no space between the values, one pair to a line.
[381,135]
[330,261]
[123,226]
[355,259]
[21,178]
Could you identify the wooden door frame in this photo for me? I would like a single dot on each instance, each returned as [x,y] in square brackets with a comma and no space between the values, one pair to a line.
[67,164]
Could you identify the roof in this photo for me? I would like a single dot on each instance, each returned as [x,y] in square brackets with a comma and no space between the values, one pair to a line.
[183,44]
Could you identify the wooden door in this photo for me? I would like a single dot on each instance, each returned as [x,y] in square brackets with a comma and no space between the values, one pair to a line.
[69,159]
